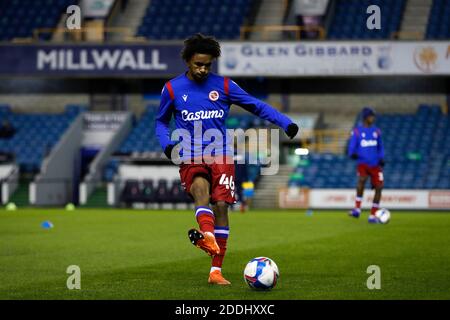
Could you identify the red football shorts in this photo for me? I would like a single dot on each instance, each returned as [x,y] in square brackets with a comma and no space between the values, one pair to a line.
[220,176]
[375,173]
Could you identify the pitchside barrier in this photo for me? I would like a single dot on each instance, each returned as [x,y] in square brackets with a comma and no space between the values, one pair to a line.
[345,199]
[49,192]
[9,175]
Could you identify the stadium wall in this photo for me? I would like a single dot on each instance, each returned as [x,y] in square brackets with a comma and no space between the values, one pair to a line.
[95,169]
[49,103]
[9,174]
[345,198]
[352,103]
[55,183]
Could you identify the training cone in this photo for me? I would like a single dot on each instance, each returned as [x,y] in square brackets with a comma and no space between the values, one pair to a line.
[11,206]
[47,225]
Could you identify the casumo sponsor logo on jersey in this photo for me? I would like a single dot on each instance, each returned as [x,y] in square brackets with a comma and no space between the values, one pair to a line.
[368,143]
[201,115]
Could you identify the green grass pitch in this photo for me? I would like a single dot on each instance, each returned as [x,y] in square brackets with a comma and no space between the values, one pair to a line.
[143,254]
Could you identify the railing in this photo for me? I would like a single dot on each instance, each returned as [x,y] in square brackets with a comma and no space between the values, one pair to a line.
[88,33]
[100,33]
[297,30]
[326,140]
[407,35]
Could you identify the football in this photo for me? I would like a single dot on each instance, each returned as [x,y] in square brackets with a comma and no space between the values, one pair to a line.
[261,273]
[383,215]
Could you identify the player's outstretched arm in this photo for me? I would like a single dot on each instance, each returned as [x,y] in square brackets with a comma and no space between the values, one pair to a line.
[162,122]
[352,152]
[261,109]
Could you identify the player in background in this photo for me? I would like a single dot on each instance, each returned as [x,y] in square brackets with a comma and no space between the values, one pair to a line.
[200,96]
[248,192]
[366,147]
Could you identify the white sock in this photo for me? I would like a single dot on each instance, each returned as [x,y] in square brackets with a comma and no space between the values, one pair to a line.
[214,269]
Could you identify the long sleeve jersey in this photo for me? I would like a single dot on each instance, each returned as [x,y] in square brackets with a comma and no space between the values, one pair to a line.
[201,108]
[366,143]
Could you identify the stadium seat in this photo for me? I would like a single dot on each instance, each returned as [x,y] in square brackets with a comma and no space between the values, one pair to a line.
[163,194]
[178,194]
[148,191]
[350,15]
[131,192]
[417,148]
[20,18]
[183,18]
[438,21]
[35,135]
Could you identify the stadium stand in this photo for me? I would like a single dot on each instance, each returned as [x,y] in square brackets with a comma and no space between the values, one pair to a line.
[110,169]
[142,138]
[439,20]
[349,20]
[18,18]
[417,148]
[178,19]
[35,135]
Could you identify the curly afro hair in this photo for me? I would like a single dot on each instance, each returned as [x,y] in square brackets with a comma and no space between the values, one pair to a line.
[199,43]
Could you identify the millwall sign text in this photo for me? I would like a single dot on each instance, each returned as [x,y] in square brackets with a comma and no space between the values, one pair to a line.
[99,59]
[92,60]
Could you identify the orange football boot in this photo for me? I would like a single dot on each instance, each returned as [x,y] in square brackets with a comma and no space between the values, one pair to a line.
[205,241]
[216,277]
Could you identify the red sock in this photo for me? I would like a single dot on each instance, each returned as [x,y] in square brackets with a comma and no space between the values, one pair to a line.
[205,219]
[358,202]
[218,259]
[221,234]
[374,209]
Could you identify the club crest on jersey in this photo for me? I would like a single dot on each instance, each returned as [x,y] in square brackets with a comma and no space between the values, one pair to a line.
[213,95]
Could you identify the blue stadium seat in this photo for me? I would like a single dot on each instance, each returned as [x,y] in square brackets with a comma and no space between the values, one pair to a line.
[35,135]
[351,15]
[438,21]
[20,18]
[182,18]
[417,155]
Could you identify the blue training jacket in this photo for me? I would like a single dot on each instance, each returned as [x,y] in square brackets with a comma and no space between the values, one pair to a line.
[199,106]
[367,144]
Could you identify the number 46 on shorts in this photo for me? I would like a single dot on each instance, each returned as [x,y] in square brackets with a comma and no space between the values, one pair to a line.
[228,182]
